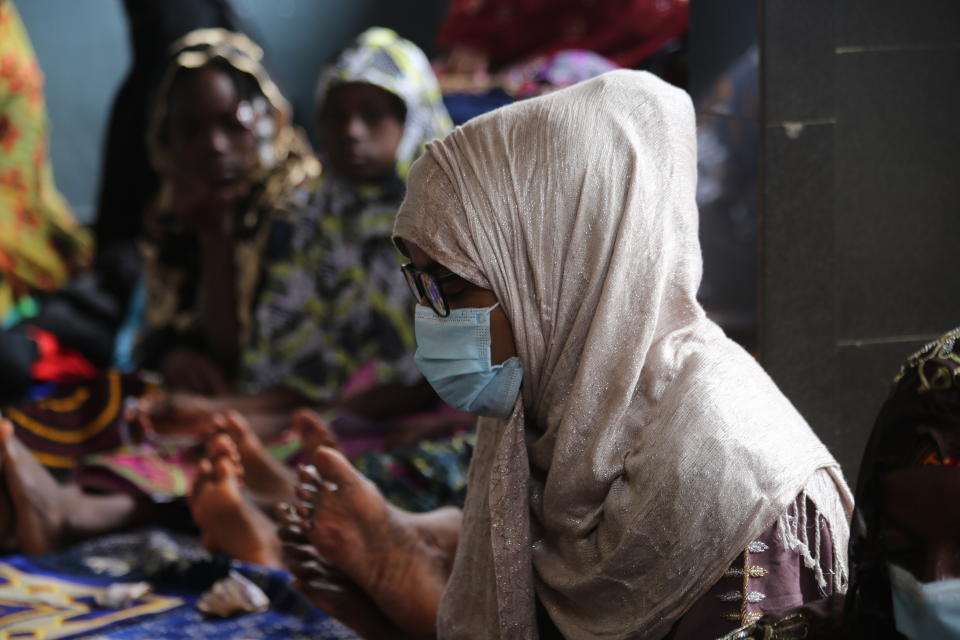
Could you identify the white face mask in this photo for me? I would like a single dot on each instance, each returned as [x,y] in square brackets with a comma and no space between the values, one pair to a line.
[925,609]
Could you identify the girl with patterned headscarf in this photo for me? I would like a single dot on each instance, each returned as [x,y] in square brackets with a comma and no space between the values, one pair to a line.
[338,310]
[229,159]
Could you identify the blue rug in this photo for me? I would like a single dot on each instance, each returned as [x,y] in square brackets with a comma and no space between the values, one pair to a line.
[52,596]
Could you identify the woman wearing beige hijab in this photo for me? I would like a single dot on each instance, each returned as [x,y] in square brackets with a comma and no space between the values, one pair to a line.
[646,478]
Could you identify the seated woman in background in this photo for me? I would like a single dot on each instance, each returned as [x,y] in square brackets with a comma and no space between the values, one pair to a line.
[230,160]
[480,36]
[222,138]
[316,264]
[905,544]
[315,301]
[645,478]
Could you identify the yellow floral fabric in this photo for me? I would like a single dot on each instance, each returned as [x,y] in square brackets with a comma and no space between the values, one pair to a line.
[40,240]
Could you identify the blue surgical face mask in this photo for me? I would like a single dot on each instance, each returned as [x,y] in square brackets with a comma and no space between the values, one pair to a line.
[454,355]
[925,609]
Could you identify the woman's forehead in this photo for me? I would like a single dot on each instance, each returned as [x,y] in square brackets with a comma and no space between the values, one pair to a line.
[420,258]
[202,89]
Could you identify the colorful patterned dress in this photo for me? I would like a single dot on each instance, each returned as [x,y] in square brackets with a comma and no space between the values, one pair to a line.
[334,300]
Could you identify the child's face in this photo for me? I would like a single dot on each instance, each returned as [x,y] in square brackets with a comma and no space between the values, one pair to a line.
[360,127]
[210,143]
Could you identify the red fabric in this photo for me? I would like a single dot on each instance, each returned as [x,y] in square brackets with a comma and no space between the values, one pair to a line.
[626,31]
[55,362]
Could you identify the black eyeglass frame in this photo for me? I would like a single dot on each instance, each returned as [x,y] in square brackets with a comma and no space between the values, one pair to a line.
[415,280]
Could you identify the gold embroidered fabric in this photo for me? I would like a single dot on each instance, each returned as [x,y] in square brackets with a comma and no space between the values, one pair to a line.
[647,449]
[749,592]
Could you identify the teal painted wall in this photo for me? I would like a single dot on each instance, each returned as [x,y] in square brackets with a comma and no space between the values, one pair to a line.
[82,48]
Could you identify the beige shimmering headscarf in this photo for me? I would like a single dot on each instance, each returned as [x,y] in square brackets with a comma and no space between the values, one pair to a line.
[647,449]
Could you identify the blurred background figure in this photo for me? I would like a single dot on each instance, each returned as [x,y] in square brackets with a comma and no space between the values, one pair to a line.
[41,243]
[128,182]
[497,51]
[481,36]
[727,196]
[229,158]
[904,555]
[65,328]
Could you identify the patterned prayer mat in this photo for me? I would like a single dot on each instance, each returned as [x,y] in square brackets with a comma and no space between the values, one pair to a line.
[54,595]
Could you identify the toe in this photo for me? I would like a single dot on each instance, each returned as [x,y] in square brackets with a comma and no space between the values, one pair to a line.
[226,469]
[333,467]
[237,426]
[306,419]
[222,446]
[308,474]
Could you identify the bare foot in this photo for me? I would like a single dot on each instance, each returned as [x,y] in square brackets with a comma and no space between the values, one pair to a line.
[313,431]
[325,586]
[37,500]
[383,550]
[262,474]
[227,521]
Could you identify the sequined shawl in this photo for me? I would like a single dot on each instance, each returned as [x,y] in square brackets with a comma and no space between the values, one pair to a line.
[647,449]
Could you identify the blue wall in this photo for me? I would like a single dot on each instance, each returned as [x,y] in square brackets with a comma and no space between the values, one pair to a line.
[82,48]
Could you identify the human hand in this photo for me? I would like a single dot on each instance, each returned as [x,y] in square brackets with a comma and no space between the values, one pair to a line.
[205,207]
[169,413]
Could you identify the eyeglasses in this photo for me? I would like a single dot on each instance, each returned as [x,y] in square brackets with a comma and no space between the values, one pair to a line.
[426,288]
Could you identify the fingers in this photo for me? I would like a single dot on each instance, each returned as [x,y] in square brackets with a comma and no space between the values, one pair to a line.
[223,468]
